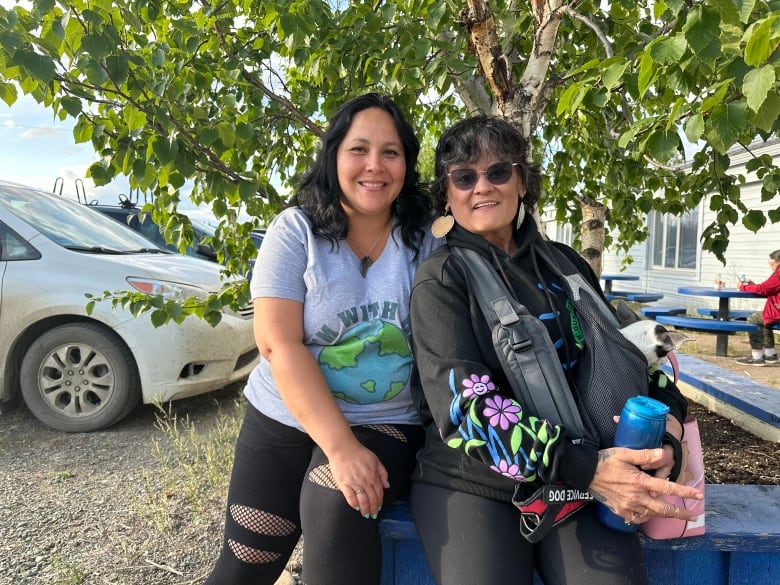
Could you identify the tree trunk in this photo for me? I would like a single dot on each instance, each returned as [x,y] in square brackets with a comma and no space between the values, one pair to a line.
[594,215]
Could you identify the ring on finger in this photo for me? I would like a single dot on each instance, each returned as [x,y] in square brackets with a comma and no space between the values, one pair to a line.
[360,491]
[645,513]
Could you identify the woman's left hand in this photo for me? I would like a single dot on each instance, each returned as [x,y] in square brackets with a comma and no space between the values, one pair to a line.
[361,477]
[633,494]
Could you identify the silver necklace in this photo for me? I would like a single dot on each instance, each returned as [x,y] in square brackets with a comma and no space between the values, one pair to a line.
[366,261]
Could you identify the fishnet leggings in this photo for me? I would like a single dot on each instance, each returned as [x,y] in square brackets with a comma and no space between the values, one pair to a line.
[282,486]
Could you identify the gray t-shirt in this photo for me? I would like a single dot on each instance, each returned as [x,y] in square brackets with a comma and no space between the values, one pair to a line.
[356,328]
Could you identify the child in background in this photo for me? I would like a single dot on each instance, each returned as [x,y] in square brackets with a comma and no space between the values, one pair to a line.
[762,342]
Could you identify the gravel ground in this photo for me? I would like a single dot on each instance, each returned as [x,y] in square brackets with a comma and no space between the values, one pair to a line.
[71,505]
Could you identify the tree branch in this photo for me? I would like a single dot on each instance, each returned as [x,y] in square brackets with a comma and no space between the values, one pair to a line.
[483,41]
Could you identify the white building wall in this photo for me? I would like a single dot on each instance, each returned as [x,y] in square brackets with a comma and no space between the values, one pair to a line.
[748,252]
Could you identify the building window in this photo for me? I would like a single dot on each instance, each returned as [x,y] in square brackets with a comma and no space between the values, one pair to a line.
[675,239]
[558,232]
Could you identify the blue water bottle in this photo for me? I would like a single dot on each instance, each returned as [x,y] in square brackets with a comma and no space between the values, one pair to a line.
[642,426]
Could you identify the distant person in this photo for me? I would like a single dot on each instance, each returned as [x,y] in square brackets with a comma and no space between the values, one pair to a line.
[485,451]
[330,433]
[762,342]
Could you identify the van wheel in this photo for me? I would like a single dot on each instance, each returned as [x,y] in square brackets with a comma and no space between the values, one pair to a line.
[79,377]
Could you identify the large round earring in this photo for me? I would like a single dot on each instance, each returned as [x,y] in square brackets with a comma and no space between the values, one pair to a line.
[442,225]
[520,214]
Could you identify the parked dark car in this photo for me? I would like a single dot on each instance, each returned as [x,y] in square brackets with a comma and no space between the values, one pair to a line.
[128,214]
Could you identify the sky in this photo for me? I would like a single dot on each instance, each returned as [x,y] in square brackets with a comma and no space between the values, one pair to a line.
[38,150]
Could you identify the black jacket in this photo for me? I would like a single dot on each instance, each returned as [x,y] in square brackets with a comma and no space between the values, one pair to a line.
[478,438]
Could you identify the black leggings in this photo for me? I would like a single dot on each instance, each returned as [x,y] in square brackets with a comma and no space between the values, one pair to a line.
[469,539]
[281,486]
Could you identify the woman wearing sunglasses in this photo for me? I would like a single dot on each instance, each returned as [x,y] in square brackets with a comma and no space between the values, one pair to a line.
[483,448]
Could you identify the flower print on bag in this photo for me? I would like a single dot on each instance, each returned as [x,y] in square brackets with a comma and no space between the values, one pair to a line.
[477,386]
[501,412]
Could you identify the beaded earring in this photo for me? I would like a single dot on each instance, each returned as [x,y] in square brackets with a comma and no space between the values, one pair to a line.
[520,214]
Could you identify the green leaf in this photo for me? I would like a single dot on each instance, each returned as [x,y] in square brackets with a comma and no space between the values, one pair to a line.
[95,72]
[668,50]
[159,318]
[96,45]
[38,66]
[757,85]
[702,30]
[745,9]
[769,113]
[694,128]
[663,145]
[164,149]
[647,73]
[727,10]
[761,40]
[727,122]
[754,220]
[8,93]
[117,67]
[135,118]
[82,130]
[613,76]
[571,98]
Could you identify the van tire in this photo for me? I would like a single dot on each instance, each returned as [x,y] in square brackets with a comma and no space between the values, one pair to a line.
[79,377]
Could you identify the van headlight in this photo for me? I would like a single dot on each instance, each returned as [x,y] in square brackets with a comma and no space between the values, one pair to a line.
[170,291]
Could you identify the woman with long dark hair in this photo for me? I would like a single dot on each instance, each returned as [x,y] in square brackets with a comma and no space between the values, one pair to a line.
[330,432]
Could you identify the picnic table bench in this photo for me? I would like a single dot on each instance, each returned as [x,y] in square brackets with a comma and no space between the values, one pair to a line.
[656,310]
[636,297]
[741,545]
[721,327]
[701,324]
[738,314]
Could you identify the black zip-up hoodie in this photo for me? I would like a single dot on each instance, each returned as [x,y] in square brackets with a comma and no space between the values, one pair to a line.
[478,438]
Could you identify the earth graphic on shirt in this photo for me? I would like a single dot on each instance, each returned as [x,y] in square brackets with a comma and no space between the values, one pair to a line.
[372,363]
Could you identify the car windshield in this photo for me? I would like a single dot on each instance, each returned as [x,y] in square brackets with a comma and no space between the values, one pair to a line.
[71,224]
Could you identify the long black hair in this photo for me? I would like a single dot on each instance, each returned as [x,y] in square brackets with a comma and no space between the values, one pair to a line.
[319,193]
[468,140]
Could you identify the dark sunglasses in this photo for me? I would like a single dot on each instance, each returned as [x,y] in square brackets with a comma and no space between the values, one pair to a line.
[497,173]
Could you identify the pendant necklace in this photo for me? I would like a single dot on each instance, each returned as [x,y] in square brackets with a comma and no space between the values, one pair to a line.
[366,261]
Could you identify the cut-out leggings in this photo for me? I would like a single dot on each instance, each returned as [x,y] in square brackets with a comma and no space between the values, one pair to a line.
[281,486]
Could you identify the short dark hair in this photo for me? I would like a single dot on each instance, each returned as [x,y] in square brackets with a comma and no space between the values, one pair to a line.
[319,193]
[775,255]
[469,140]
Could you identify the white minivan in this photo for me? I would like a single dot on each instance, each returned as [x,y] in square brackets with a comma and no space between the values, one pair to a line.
[79,372]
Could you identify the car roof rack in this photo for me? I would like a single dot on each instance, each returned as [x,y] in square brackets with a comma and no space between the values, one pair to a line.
[81,192]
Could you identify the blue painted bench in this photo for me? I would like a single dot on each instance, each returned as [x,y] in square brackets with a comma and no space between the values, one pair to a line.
[741,545]
[749,404]
[636,297]
[701,324]
[737,314]
[721,328]
[616,294]
[644,297]
[655,311]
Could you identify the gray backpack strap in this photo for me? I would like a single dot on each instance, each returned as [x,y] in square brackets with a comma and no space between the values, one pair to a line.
[525,350]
